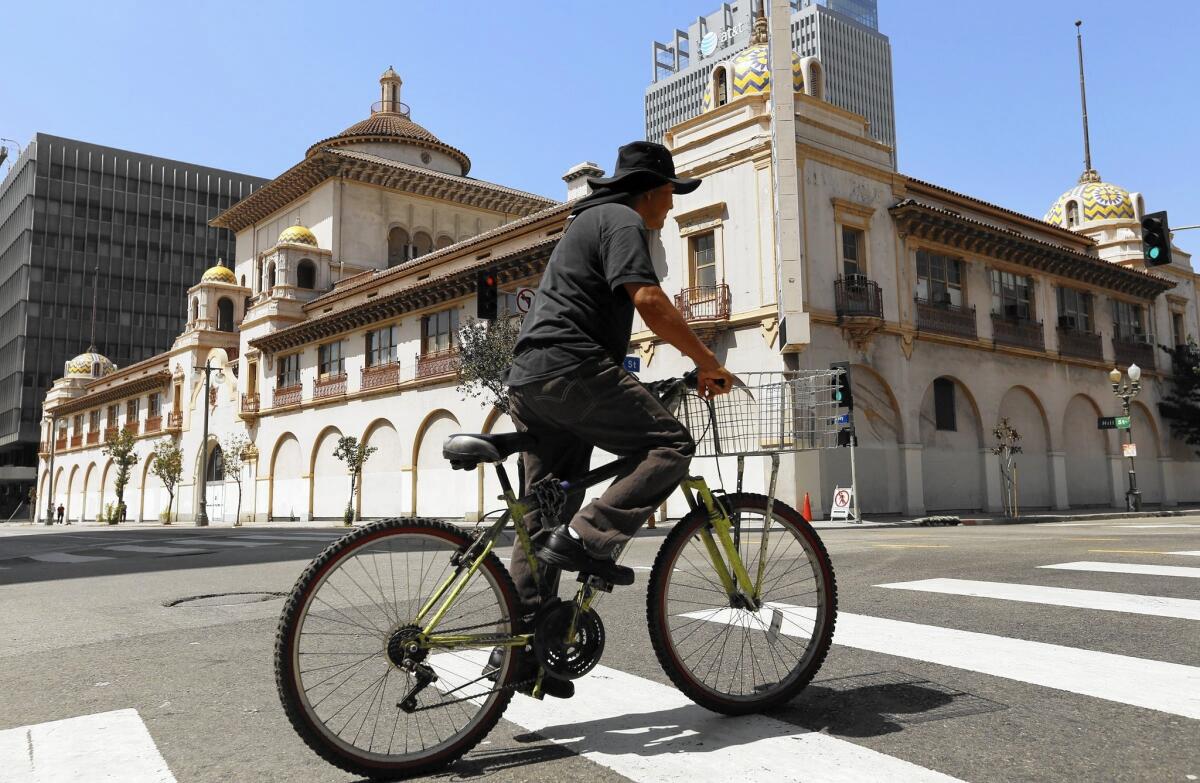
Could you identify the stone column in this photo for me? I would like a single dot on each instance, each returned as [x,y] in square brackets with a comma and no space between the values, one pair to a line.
[914,479]
[1058,479]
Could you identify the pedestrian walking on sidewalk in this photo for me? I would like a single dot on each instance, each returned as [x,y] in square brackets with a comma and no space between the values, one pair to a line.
[61,511]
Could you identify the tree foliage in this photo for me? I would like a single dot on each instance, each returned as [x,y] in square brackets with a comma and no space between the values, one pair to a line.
[355,455]
[1181,406]
[233,460]
[167,464]
[120,447]
[486,351]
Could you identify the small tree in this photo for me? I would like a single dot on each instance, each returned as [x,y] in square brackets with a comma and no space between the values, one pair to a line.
[233,460]
[355,456]
[1181,407]
[486,352]
[120,448]
[167,464]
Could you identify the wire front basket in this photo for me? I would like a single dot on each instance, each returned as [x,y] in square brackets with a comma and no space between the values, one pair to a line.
[775,411]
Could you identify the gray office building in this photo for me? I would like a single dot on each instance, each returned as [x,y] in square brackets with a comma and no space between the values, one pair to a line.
[843,34]
[68,209]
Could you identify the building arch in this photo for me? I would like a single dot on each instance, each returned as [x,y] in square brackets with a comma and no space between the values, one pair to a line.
[436,489]
[108,485]
[1149,450]
[398,246]
[225,314]
[90,492]
[73,503]
[1022,408]
[720,86]
[195,309]
[1087,451]
[443,241]
[152,495]
[269,283]
[422,243]
[814,77]
[951,459]
[306,274]
[330,482]
[286,481]
[379,492]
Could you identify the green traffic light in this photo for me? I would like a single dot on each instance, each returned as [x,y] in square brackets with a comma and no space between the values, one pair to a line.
[1153,253]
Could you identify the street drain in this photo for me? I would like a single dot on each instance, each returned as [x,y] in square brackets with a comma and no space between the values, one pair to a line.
[223,599]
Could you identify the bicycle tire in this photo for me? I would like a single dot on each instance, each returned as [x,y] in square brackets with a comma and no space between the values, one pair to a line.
[659,615]
[309,727]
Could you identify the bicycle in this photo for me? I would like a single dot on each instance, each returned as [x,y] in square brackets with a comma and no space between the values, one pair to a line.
[382,650]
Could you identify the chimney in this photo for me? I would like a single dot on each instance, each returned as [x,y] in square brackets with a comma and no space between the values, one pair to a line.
[576,179]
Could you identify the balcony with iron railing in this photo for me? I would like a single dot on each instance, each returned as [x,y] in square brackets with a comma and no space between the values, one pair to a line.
[250,404]
[946,318]
[380,375]
[93,437]
[444,362]
[1133,349]
[60,444]
[704,303]
[175,420]
[76,441]
[153,424]
[329,386]
[132,427]
[1018,332]
[286,395]
[1077,343]
[110,433]
[856,296]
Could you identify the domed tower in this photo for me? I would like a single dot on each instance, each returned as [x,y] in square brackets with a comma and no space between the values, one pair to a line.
[297,267]
[89,366]
[217,302]
[390,133]
[749,72]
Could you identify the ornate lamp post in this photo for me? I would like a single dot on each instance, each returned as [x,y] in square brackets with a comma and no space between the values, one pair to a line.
[1125,390]
[208,370]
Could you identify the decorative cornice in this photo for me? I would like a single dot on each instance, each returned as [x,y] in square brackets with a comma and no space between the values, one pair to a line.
[940,225]
[158,380]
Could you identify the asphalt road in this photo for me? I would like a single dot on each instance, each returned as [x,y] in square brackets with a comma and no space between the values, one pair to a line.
[966,665]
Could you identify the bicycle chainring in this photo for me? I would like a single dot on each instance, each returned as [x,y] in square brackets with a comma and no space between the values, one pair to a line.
[562,660]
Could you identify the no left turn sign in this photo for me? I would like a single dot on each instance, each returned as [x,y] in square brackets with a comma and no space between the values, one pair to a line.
[524,300]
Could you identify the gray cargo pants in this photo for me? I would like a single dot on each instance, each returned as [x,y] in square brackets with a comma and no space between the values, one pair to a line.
[597,405]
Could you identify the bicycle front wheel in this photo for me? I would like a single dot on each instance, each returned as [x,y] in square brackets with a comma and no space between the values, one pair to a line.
[721,653]
[341,666]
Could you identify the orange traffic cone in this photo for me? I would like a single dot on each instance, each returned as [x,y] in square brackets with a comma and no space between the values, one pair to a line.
[806,511]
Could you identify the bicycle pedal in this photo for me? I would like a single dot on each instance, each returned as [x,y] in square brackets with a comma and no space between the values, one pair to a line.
[594,582]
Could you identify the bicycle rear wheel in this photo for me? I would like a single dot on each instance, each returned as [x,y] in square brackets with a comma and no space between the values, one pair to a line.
[729,658]
[344,627]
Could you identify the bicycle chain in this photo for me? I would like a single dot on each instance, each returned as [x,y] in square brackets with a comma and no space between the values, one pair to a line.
[551,500]
[473,696]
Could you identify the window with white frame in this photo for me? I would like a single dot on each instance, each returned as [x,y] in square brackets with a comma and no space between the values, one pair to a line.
[287,371]
[381,346]
[1012,295]
[330,359]
[939,279]
[1074,309]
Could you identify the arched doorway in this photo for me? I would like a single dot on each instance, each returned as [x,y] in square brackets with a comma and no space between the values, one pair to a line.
[214,484]
[225,314]
[1024,414]
[306,275]
[380,492]
[439,490]
[952,442]
[1086,450]
[288,490]
[330,479]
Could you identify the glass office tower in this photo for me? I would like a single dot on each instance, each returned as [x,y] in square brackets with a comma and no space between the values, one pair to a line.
[78,221]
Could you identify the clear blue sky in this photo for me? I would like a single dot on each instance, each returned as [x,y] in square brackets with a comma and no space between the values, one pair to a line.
[987,98]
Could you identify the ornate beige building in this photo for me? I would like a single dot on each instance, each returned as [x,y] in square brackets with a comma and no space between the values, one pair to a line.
[355,268]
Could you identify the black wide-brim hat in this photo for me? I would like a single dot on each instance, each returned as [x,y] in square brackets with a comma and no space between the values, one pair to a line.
[643,165]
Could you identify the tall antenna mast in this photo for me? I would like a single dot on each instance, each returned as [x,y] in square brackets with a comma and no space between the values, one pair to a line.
[95,288]
[1089,174]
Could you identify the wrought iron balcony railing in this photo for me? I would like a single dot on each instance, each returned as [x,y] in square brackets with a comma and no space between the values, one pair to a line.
[704,303]
[379,375]
[1081,345]
[76,441]
[329,386]
[286,395]
[857,296]
[93,437]
[153,424]
[1134,349]
[1018,332]
[175,420]
[437,363]
[945,318]
[250,403]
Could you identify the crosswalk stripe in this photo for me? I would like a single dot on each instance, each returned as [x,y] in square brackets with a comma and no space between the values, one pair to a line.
[153,550]
[66,557]
[651,732]
[296,538]
[226,542]
[1166,525]
[1193,554]
[1181,608]
[109,746]
[1128,568]
[1157,685]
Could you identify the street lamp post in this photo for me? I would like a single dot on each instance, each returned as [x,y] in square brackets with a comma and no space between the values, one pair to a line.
[202,517]
[1125,390]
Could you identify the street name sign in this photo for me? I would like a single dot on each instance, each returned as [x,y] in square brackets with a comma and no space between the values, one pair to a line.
[632,363]
[1113,423]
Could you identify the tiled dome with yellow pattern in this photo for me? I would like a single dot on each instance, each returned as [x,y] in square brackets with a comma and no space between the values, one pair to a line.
[297,235]
[750,74]
[1097,201]
[84,363]
[219,273]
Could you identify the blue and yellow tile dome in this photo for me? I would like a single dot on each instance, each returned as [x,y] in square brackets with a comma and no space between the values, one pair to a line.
[89,364]
[749,73]
[1097,201]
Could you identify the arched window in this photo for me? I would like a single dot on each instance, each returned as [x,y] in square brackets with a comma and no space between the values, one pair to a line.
[306,275]
[444,241]
[422,244]
[213,471]
[270,283]
[225,314]
[397,246]
[195,310]
[1072,213]
[720,87]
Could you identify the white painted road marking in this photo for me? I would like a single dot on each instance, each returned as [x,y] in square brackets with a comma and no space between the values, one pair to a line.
[109,746]
[651,732]
[1149,526]
[300,539]
[225,542]
[66,557]
[1128,568]
[153,550]
[1182,608]
[1193,554]
[1166,687]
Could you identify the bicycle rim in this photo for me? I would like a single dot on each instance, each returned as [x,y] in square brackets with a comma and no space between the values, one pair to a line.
[339,685]
[737,659]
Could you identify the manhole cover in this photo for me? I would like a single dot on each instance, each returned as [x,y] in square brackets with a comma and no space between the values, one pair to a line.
[224,599]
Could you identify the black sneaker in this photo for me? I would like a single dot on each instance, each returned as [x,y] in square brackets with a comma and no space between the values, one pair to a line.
[527,671]
[567,553]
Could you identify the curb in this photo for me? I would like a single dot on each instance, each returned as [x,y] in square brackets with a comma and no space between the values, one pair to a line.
[1047,518]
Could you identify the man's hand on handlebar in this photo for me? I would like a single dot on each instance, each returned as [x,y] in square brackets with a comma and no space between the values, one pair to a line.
[714,381]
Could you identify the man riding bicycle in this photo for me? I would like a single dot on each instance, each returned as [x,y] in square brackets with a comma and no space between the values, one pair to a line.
[569,388]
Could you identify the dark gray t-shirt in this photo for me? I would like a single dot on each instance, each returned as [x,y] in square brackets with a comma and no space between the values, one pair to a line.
[581,310]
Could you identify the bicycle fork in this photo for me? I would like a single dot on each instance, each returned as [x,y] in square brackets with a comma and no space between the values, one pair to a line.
[718,539]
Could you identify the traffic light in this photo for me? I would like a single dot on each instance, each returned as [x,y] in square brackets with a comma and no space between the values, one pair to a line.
[841,385]
[487,295]
[1156,239]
